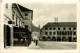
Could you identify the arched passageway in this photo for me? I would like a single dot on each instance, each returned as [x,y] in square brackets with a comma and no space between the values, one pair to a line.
[58,38]
[53,38]
[49,38]
[44,38]
[63,38]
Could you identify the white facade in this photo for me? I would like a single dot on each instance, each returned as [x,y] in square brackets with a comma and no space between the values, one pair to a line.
[8,17]
[11,14]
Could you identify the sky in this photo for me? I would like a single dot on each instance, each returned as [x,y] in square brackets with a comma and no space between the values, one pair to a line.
[46,12]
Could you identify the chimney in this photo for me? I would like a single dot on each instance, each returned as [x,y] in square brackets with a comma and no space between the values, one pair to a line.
[56,19]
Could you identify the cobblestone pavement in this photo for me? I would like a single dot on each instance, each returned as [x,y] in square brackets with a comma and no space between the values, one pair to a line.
[57,45]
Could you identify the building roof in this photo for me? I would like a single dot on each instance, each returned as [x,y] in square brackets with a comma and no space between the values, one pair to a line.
[24,8]
[14,5]
[61,24]
[21,8]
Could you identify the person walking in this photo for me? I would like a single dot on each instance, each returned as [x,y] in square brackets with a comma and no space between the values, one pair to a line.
[36,42]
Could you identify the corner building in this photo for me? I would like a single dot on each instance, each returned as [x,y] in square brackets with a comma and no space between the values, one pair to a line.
[16,32]
[59,31]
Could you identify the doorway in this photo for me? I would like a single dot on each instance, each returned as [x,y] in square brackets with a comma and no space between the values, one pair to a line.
[6,36]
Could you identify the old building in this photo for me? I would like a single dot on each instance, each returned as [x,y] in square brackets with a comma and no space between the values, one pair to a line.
[28,17]
[35,32]
[59,31]
[8,25]
[15,30]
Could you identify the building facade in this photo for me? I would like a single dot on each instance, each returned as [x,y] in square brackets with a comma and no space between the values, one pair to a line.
[15,32]
[8,27]
[28,17]
[59,31]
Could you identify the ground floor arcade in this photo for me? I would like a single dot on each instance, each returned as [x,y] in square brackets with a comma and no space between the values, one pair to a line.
[60,38]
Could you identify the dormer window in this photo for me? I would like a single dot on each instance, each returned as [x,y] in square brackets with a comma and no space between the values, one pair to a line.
[46,28]
[50,28]
[58,28]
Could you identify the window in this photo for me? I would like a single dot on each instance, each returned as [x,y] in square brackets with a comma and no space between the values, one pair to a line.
[64,28]
[50,33]
[54,33]
[54,28]
[46,28]
[70,32]
[63,32]
[26,14]
[74,33]
[50,28]
[26,26]
[46,33]
[74,28]
[7,6]
[60,32]
[57,32]
[69,28]
[66,32]
[58,28]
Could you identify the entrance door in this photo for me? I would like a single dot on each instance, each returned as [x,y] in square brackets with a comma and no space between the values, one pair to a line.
[6,35]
